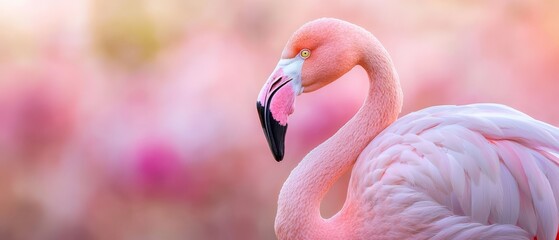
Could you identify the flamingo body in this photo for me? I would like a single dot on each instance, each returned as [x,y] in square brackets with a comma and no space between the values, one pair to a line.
[481,171]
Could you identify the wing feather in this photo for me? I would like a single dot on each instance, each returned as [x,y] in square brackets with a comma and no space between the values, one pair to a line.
[485,162]
[511,202]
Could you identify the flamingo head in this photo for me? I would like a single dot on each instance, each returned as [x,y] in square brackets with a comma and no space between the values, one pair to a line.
[318,53]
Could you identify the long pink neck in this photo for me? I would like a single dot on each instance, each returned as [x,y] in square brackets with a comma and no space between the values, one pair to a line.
[298,214]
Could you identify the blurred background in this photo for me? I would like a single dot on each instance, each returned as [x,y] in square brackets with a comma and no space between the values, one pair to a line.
[136,119]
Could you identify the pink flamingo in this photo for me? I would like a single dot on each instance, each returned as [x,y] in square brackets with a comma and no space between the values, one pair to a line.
[480,171]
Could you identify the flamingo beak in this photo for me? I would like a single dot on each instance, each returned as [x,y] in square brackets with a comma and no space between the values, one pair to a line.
[276,102]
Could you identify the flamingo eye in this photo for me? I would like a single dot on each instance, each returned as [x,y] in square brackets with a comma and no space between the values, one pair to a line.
[305,53]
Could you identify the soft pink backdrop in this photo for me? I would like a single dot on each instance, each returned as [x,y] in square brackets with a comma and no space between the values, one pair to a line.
[126,119]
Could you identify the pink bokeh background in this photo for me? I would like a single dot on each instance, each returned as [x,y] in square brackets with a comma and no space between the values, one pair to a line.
[126,119]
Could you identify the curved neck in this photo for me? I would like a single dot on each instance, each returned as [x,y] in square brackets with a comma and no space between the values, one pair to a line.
[298,215]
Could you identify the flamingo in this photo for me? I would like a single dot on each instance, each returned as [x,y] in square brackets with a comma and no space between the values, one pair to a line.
[479,171]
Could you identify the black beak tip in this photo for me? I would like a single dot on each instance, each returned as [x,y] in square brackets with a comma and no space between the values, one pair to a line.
[278,156]
[274,131]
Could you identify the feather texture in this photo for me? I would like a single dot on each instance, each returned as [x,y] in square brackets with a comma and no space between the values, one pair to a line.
[479,169]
